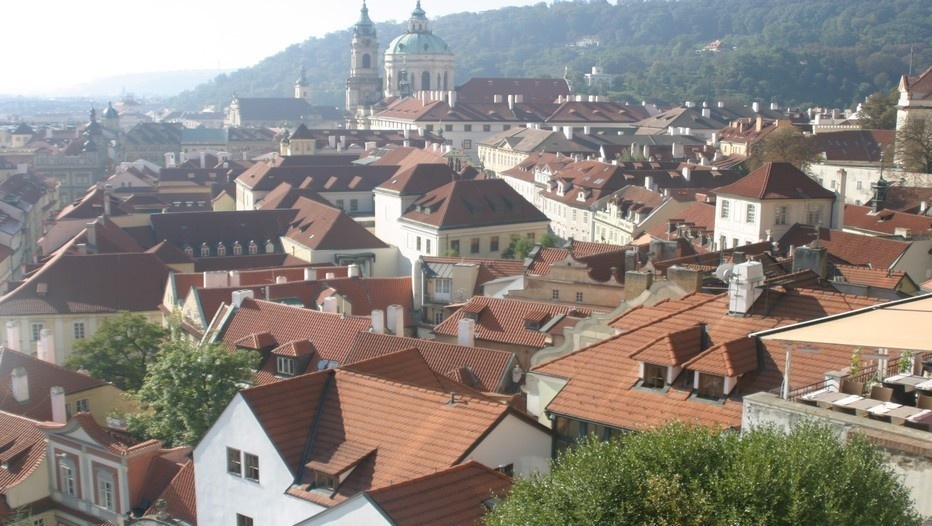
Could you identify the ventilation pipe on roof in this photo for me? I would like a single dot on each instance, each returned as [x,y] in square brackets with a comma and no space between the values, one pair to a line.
[378,321]
[46,346]
[755,106]
[838,219]
[12,335]
[744,287]
[568,132]
[352,270]
[511,102]
[59,415]
[240,295]
[466,332]
[20,385]
[396,319]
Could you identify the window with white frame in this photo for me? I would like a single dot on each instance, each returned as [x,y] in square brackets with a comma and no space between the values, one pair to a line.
[814,215]
[36,331]
[234,462]
[725,209]
[205,250]
[252,466]
[79,330]
[284,365]
[442,285]
[751,213]
[237,249]
[221,249]
[105,490]
[253,248]
[67,479]
[82,406]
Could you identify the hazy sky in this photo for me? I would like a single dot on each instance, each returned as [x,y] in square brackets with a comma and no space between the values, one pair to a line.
[55,44]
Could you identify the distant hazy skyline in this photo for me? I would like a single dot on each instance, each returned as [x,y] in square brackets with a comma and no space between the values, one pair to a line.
[51,46]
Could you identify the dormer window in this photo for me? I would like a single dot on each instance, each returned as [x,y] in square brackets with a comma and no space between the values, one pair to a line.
[474,316]
[253,248]
[655,376]
[324,481]
[205,250]
[269,247]
[237,249]
[221,249]
[189,251]
[710,386]
[284,365]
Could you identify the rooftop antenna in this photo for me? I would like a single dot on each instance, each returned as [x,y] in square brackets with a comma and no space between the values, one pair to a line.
[910,60]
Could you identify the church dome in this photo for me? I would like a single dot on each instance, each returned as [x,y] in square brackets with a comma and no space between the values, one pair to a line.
[110,112]
[418,44]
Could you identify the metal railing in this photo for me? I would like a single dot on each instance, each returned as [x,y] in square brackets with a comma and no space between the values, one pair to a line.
[865,375]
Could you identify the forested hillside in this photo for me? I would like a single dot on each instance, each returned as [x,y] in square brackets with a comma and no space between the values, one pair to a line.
[795,52]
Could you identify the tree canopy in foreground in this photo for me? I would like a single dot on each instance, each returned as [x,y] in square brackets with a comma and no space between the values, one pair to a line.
[187,388]
[680,475]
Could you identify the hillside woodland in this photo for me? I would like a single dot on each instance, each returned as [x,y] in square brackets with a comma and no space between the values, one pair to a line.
[830,53]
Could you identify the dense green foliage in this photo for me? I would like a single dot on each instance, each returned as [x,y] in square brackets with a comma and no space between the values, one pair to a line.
[119,351]
[520,246]
[879,111]
[785,144]
[187,388]
[796,52]
[682,475]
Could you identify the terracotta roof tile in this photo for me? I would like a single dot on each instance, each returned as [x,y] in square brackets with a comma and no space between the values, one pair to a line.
[42,376]
[368,294]
[881,278]
[845,247]
[461,204]
[502,320]
[731,358]
[776,181]
[886,221]
[602,377]
[491,368]
[180,495]
[450,496]
[22,449]
[673,349]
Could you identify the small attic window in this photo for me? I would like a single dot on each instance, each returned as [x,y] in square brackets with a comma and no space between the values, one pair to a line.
[323,481]
[655,376]
[284,365]
[253,248]
[471,315]
[711,386]
[269,247]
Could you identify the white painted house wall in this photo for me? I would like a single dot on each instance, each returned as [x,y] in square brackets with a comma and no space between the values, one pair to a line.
[358,510]
[515,441]
[221,495]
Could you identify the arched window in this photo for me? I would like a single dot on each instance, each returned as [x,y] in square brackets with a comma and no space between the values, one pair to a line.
[253,248]
[221,249]
[366,61]
[205,250]
[237,249]
[446,81]
[425,81]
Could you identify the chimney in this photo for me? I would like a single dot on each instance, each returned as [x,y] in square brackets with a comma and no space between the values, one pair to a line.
[568,132]
[814,259]
[352,270]
[511,102]
[20,385]
[516,374]
[234,278]
[240,295]
[497,99]
[13,336]
[107,188]
[466,332]
[378,321]
[687,172]
[706,112]
[203,159]
[46,346]
[59,415]
[587,130]
[649,182]
[330,275]
[215,279]
[636,282]
[330,304]
[744,289]
[690,280]
[756,107]
[759,124]
[396,319]
[838,222]
[281,279]
[923,206]
[332,141]
[452,98]
[774,106]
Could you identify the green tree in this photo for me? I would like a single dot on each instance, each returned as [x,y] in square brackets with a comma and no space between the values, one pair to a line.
[521,246]
[120,350]
[878,112]
[784,144]
[187,388]
[914,145]
[682,475]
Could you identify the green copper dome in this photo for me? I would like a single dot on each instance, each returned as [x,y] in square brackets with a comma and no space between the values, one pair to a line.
[418,44]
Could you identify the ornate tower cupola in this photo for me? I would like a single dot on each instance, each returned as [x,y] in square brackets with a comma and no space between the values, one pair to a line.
[301,88]
[880,194]
[418,21]
[427,60]
[364,86]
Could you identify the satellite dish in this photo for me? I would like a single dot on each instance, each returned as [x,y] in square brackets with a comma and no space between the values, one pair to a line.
[725,271]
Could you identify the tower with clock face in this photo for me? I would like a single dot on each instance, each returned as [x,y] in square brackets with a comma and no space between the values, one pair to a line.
[364,86]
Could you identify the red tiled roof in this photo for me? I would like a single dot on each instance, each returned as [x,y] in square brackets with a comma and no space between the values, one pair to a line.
[109,283]
[490,368]
[886,221]
[776,181]
[484,89]
[602,377]
[919,88]
[844,247]
[180,495]
[418,179]
[672,349]
[22,449]
[41,376]
[503,320]
[489,269]
[879,277]
[337,178]
[417,432]
[854,145]
[908,199]
[331,334]
[450,496]
[368,294]
[319,226]
[462,204]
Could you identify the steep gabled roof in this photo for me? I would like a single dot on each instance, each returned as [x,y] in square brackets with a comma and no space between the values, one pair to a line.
[776,181]
[194,228]
[886,221]
[451,496]
[463,204]
[180,495]
[367,294]
[108,283]
[41,376]
[22,449]
[320,226]
[418,179]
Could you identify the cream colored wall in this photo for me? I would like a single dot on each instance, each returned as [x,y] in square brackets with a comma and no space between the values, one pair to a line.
[101,401]
[33,488]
